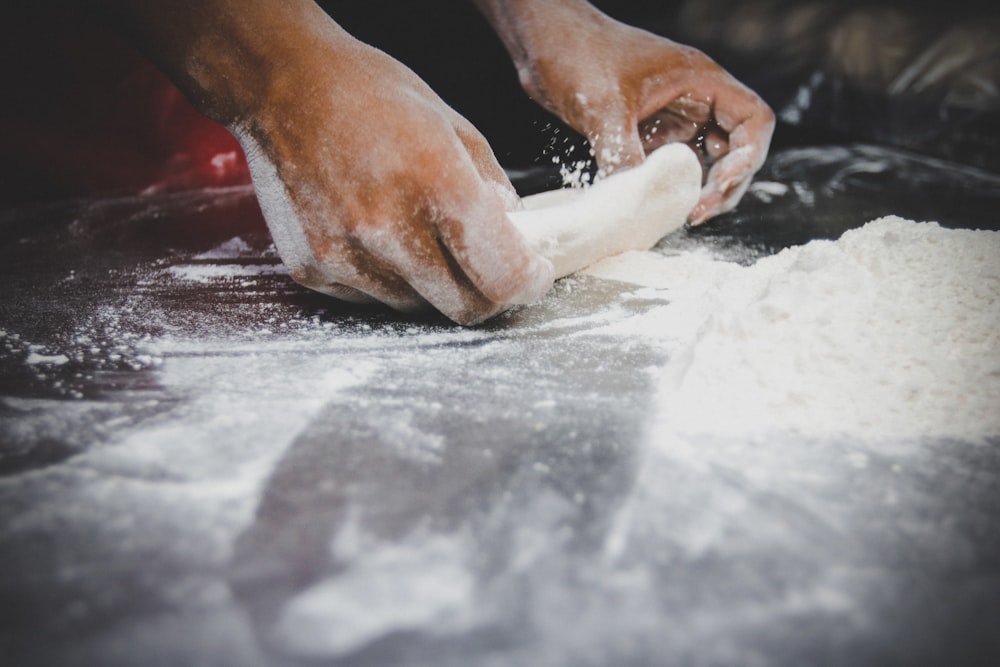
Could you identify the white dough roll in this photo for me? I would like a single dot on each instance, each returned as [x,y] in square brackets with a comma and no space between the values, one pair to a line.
[630,210]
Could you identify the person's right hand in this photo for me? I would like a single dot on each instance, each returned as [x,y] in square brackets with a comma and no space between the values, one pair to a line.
[374,189]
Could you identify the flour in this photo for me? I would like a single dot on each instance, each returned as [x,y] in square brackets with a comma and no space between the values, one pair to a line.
[709,527]
[231,249]
[891,332]
[207,273]
[34,358]
[423,585]
[653,269]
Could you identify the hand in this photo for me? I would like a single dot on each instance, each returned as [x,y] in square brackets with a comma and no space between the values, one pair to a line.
[372,187]
[629,91]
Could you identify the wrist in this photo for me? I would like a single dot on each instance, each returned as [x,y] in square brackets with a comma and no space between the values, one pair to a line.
[541,35]
[230,58]
[526,26]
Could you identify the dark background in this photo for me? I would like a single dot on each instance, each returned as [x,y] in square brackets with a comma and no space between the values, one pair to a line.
[83,113]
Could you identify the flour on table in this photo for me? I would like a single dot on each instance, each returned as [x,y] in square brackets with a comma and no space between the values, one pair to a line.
[653,269]
[631,210]
[891,332]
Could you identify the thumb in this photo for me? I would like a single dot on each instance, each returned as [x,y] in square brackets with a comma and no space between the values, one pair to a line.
[616,145]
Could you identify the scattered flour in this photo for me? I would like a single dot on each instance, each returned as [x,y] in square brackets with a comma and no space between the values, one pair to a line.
[205,273]
[425,585]
[231,249]
[34,358]
[652,269]
[766,191]
[893,331]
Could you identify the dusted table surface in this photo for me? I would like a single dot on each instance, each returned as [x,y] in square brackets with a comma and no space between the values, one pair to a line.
[204,464]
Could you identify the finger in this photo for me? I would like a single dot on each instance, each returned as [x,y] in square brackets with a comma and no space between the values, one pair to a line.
[475,233]
[714,202]
[486,164]
[492,253]
[715,141]
[458,258]
[727,180]
[665,127]
[353,275]
[616,150]
[420,259]
[613,133]
[399,297]
[459,252]
[749,124]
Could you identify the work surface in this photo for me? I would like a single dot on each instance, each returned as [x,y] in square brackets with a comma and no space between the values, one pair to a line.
[205,464]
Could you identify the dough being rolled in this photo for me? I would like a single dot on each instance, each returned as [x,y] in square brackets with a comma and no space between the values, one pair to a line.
[630,210]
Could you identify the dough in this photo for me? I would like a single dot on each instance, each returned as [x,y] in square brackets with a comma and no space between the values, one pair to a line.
[630,210]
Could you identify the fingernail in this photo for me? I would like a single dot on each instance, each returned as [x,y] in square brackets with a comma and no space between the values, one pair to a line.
[697,215]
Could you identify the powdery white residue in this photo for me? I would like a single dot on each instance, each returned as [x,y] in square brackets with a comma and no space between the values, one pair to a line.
[891,332]
[34,359]
[653,269]
[205,273]
[231,249]
[412,441]
[574,174]
[426,585]
[766,191]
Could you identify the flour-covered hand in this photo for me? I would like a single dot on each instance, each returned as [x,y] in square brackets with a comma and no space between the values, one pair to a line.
[380,191]
[629,91]
[372,187]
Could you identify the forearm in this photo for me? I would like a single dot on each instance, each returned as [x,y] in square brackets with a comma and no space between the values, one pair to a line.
[548,40]
[523,24]
[226,56]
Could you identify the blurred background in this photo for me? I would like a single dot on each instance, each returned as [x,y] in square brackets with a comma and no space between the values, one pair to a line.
[85,114]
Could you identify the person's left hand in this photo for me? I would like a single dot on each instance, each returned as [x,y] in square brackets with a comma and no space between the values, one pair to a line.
[629,91]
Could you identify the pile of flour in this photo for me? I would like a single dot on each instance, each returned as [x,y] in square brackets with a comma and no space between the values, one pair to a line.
[891,332]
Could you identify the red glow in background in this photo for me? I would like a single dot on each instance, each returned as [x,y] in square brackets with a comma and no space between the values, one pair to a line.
[83,113]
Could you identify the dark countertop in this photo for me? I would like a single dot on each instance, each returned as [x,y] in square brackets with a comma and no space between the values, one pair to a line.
[204,464]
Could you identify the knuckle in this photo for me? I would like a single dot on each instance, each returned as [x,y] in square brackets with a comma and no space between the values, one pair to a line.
[767,114]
